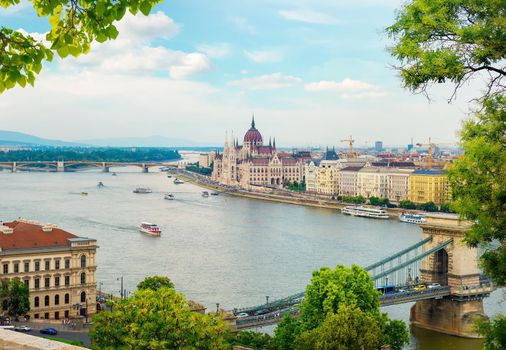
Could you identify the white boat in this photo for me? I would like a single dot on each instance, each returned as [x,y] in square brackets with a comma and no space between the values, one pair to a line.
[205,194]
[412,218]
[114,174]
[178,182]
[366,212]
[150,229]
[142,190]
[169,196]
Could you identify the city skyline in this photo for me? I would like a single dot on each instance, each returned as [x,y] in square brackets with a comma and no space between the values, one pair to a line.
[194,70]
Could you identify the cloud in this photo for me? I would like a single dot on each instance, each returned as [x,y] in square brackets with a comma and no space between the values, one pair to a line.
[306,16]
[349,88]
[266,82]
[140,28]
[243,25]
[218,50]
[265,56]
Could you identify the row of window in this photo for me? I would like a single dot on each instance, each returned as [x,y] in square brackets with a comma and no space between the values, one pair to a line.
[57,281]
[66,300]
[56,315]
[37,266]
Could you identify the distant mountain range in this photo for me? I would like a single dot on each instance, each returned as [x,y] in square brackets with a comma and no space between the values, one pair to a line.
[13,138]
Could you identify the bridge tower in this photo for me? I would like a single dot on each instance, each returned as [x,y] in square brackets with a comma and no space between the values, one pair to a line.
[60,166]
[144,168]
[105,168]
[14,167]
[457,267]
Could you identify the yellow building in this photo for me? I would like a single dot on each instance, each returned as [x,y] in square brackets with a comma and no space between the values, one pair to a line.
[429,186]
[57,266]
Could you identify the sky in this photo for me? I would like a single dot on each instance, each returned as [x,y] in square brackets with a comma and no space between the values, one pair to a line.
[312,73]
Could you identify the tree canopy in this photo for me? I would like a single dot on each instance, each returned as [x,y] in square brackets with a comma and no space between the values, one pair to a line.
[439,41]
[74,25]
[15,297]
[155,283]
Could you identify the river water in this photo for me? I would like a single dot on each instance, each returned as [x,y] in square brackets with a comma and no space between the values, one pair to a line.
[221,249]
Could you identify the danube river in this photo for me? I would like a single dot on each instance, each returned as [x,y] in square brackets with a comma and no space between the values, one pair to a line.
[220,249]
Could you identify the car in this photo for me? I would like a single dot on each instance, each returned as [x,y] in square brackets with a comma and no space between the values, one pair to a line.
[49,331]
[434,285]
[242,314]
[261,312]
[22,329]
[420,287]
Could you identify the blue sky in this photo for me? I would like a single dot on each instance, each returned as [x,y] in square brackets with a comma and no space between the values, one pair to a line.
[313,72]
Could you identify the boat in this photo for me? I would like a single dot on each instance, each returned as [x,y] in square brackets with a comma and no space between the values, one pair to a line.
[169,196]
[205,194]
[178,182]
[100,184]
[142,190]
[412,218]
[150,229]
[366,212]
[84,193]
[169,176]
[214,193]
[114,174]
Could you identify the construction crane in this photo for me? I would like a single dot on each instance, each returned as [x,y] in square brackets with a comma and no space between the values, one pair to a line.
[429,152]
[350,140]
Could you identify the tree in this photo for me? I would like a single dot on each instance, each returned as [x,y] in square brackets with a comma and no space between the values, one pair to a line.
[254,340]
[155,283]
[74,26]
[439,41]
[396,334]
[157,319]
[286,332]
[429,206]
[407,204]
[15,297]
[478,180]
[494,332]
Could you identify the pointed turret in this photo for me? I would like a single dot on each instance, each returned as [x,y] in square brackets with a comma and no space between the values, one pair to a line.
[253,121]
[274,143]
[270,142]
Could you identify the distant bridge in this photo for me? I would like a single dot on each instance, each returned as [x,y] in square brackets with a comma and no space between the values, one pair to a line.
[62,166]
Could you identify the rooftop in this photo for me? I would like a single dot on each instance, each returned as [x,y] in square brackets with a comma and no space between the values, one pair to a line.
[429,172]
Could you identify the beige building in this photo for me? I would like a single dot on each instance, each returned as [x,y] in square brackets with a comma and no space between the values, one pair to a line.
[57,266]
[348,181]
[311,176]
[373,182]
[398,184]
[206,159]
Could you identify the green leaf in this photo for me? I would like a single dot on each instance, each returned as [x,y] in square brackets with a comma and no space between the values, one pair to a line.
[145,8]
[22,81]
[63,51]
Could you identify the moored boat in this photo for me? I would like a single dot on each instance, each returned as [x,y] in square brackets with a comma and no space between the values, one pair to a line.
[205,194]
[412,218]
[169,196]
[214,193]
[150,229]
[178,182]
[114,174]
[142,190]
[366,212]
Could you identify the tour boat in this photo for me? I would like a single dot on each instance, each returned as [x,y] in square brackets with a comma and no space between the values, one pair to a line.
[178,182]
[150,229]
[214,193]
[412,218]
[205,194]
[169,196]
[367,212]
[142,190]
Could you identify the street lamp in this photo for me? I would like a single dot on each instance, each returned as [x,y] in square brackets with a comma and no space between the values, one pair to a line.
[121,290]
[100,288]
[267,299]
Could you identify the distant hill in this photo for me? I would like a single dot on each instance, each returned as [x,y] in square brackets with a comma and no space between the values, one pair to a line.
[149,141]
[13,138]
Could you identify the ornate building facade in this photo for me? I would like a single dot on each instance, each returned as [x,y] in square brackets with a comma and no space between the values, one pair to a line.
[254,163]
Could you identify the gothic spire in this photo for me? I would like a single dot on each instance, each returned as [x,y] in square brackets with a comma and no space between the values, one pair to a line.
[253,121]
[274,143]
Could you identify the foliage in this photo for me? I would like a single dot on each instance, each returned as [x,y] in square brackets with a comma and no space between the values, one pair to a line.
[74,26]
[396,334]
[91,154]
[295,186]
[494,331]
[381,202]
[439,41]
[15,297]
[286,332]
[348,329]
[199,170]
[254,340]
[407,204]
[155,283]
[429,206]
[355,200]
[478,181]
[157,319]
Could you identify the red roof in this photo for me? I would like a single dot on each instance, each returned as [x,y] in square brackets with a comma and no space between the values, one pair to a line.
[289,161]
[253,135]
[264,149]
[28,235]
[260,161]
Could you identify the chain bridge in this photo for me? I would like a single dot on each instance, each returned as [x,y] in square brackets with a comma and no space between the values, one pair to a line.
[62,166]
[439,273]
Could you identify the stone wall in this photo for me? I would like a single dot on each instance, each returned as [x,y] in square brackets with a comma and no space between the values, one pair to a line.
[11,340]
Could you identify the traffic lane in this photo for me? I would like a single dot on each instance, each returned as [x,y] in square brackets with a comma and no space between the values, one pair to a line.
[82,336]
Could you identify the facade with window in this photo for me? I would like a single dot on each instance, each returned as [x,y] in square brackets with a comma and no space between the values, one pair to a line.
[58,267]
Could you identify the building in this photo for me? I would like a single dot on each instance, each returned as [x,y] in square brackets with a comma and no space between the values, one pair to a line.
[57,266]
[398,189]
[327,180]
[378,146]
[311,176]
[373,182]
[206,159]
[429,185]
[348,181]
[256,164]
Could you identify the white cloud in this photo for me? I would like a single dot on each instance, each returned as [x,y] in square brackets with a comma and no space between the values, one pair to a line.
[349,88]
[243,25]
[218,50]
[306,16]
[266,82]
[362,95]
[141,28]
[190,64]
[264,56]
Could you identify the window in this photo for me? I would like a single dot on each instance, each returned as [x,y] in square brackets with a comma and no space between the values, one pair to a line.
[37,283]
[27,283]
[36,302]
[57,264]
[67,280]
[67,263]
[57,299]
[66,313]
[46,265]
[83,297]
[27,266]
[83,260]
[16,267]
[6,268]
[37,266]
[46,300]
[46,315]
[83,278]
[36,316]
[67,298]
[56,315]
[57,281]
[46,282]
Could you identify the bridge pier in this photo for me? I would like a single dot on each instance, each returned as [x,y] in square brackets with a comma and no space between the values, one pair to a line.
[457,267]
[60,166]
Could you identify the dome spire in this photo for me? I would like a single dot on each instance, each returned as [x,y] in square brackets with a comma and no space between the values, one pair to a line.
[253,121]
